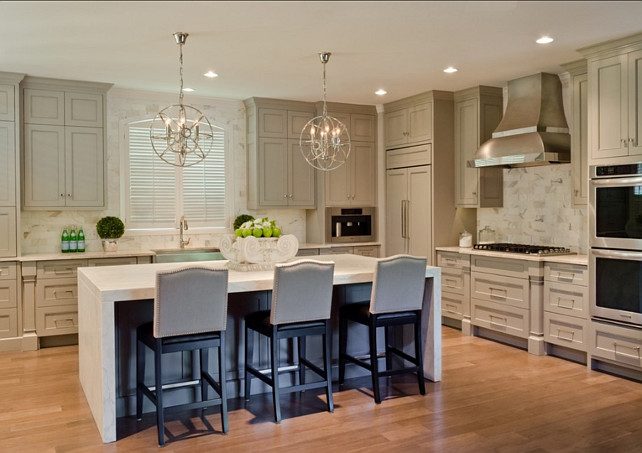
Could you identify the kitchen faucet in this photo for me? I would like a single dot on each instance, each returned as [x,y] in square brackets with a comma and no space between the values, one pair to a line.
[183,227]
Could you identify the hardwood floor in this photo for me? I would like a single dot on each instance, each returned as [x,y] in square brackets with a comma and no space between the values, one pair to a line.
[492,398]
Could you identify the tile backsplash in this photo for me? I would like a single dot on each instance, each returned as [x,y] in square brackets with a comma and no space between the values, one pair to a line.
[537,209]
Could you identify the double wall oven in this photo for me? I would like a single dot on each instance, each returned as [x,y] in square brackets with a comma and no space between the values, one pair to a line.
[615,236]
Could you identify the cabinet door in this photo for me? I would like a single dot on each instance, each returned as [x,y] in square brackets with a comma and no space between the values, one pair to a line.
[44,107]
[302,175]
[7,99]
[296,123]
[362,182]
[395,128]
[466,144]
[608,107]
[44,171]
[362,127]
[420,123]
[396,196]
[420,212]
[84,164]
[635,102]
[337,190]
[273,169]
[83,109]
[7,164]
[8,231]
[579,140]
[273,123]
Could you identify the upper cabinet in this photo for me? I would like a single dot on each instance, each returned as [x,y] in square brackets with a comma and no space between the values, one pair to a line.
[408,126]
[64,142]
[615,100]
[278,175]
[478,111]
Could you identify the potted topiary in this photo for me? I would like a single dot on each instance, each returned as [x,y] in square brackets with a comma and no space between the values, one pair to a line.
[109,229]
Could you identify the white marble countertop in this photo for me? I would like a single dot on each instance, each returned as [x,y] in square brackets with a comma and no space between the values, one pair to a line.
[569,259]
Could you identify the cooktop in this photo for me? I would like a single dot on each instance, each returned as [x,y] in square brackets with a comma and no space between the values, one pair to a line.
[524,248]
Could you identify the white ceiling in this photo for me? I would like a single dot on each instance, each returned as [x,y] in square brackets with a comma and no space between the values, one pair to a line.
[269,49]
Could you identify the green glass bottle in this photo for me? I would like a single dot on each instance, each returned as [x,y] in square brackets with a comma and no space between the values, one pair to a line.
[64,241]
[81,240]
[73,240]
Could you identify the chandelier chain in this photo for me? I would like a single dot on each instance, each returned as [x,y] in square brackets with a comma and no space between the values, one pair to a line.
[180,59]
[325,108]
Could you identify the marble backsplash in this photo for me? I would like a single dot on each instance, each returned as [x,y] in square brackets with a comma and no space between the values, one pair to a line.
[537,209]
[41,230]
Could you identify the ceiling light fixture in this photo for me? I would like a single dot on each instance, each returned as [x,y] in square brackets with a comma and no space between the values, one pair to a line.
[324,140]
[181,135]
[188,90]
[381,92]
[450,70]
[210,74]
[544,40]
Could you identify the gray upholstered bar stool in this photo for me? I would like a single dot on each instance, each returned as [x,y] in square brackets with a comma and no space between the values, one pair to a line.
[301,302]
[396,299]
[190,314]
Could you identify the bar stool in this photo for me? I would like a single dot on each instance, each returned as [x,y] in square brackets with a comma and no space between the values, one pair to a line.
[301,301]
[396,299]
[190,314]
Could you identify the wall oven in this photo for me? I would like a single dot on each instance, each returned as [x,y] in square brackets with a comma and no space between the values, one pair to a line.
[615,237]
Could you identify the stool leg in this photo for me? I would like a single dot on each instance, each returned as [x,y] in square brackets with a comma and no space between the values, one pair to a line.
[388,354]
[275,374]
[249,356]
[222,370]
[140,377]
[343,341]
[205,362]
[301,347]
[327,362]
[160,416]
[373,360]
[418,355]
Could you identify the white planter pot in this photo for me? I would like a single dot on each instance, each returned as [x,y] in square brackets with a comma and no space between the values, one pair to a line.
[110,245]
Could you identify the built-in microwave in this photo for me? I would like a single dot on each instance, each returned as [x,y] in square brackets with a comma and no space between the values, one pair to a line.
[346,225]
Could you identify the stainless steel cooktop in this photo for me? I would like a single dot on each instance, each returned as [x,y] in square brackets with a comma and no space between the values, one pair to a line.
[526,249]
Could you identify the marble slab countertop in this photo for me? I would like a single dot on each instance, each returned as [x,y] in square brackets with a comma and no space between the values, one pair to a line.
[568,259]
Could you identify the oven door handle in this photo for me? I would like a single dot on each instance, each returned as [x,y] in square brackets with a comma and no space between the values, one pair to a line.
[627,255]
[617,182]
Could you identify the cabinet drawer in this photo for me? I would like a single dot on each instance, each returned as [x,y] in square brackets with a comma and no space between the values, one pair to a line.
[565,331]
[505,290]
[57,320]
[307,252]
[566,273]
[500,317]
[112,261]
[616,343]
[8,322]
[8,294]
[7,271]
[566,299]
[337,250]
[452,305]
[367,251]
[451,260]
[44,107]
[504,266]
[57,269]
[84,109]
[452,282]
[63,291]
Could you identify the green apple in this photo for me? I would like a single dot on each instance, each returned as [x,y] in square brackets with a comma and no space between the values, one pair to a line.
[247,232]
[238,232]
[257,232]
[267,232]
[276,232]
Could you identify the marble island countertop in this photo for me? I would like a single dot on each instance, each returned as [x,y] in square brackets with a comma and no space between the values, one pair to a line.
[569,259]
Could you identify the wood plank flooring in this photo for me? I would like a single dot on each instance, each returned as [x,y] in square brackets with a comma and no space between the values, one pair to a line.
[493,398]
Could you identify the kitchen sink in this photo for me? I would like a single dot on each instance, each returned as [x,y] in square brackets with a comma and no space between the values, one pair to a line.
[184,255]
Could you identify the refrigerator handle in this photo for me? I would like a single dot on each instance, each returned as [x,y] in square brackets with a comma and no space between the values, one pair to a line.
[407,218]
[403,219]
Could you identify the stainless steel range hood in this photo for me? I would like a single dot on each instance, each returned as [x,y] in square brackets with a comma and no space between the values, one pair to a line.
[533,130]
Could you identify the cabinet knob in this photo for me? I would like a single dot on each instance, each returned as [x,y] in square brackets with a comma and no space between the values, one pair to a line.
[285,195]
[69,195]
[624,140]
[62,194]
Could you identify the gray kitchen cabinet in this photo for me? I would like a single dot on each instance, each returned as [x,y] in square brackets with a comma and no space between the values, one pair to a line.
[7,164]
[8,300]
[408,125]
[278,175]
[455,289]
[367,250]
[7,101]
[614,101]
[478,111]
[64,142]
[353,183]
[8,228]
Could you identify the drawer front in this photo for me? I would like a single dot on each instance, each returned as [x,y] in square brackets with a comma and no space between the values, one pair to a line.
[505,290]
[566,299]
[452,260]
[566,273]
[452,282]
[307,252]
[57,269]
[504,266]
[452,306]
[8,322]
[500,317]
[7,271]
[53,293]
[618,344]
[112,261]
[337,250]
[367,251]
[566,331]
[8,294]
[57,320]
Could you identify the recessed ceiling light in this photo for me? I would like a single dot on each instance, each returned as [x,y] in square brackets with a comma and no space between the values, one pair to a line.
[450,70]
[381,92]
[210,74]
[544,40]
[188,89]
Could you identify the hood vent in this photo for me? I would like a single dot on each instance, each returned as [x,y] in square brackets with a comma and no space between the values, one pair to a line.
[533,130]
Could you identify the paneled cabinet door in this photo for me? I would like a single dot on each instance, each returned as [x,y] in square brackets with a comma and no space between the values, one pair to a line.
[7,164]
[273,123]
[7,231]
[84,166]
[420,123]
[44,107]
[7,99]
[579,140]
[273,169]
[44,158]
[362,180]
[466,143]
[635,102]
[301,176]
[83,109]
[395,128]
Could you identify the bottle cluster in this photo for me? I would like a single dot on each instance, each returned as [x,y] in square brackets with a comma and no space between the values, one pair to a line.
[72,242]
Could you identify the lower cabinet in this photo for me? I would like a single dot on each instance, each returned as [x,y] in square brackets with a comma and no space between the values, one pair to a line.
[8,300]
[619,345]
[455,288]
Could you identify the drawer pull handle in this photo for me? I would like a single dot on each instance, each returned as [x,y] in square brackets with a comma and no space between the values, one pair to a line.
[450,262]
[451,283]
[568,299]
[503,290]
[450,308]
[568,276]
[561,337]
[67,322]
[504,319]
[67,291]
[69,270]
[634,348]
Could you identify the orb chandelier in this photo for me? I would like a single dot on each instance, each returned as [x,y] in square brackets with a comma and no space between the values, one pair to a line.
[181,135]
[324,140]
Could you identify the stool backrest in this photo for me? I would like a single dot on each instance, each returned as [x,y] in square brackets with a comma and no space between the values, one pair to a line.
[302,291]
[398,284]
[189,301]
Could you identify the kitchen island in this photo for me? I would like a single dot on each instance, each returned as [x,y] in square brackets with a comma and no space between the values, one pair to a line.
[102,290]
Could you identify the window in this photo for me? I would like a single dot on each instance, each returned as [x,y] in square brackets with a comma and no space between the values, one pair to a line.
[159,193]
